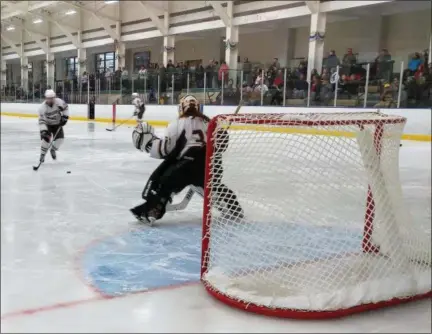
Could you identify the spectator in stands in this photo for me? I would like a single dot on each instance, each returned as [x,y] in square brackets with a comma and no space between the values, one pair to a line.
[384,65]
[315,92]
[216,82]
[84,81]
[314,73]
[271,74]
[332,61]
[349,59]
[199,75]
[300,87]
[279,79]
[413,65]
[142,73]
[209,73]
[386,98]
[162,72]
[258,76]
[247,71]
[277,89]
[108,76]
[124,77]
[325,71]
[170,64]
[326,93]
[301,69]
[276,63]
[247,93]
[117,78]
[223,74]
[260,88]
[348,62]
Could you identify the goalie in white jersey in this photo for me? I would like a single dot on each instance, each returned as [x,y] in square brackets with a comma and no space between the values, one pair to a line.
[183,149]
[53,116]
[139,107]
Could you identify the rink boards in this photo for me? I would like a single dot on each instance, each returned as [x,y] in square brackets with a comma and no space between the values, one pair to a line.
[418,125]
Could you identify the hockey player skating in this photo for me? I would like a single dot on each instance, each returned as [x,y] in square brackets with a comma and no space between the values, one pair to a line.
[139,107]
[53,116]
[183,150]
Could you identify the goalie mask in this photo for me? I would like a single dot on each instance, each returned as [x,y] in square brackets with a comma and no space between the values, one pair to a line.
[187,103]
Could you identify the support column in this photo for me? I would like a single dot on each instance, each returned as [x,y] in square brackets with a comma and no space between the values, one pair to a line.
[120,49]
[81,56]
[24,73]
[24,65]
[285,52]
[168,49]
[168,42]
[231,46]
[3,74]
[82,61]
[50,61]
[291,41]
[231,52]
[316,42]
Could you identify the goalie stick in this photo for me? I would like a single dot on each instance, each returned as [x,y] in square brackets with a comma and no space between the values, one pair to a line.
[35,168]
[192,190]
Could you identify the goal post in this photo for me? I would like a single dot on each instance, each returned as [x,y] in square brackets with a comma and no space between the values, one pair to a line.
[325,232]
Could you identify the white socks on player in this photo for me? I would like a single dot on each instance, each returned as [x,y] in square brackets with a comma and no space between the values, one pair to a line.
[44,147]
[57,143]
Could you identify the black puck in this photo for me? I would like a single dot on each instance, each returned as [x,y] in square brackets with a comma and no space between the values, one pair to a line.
[68,172]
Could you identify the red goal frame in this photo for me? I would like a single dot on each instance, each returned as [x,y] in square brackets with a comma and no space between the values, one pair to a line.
[367,246]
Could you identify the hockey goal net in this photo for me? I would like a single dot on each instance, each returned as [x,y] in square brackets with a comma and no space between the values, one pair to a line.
[325,232]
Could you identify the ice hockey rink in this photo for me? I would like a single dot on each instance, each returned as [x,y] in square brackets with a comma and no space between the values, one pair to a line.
[74,259]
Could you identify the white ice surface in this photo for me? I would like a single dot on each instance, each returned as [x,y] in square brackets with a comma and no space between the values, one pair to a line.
[48,217]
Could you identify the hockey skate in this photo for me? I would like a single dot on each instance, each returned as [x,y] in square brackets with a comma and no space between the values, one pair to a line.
[142,218]
[53,154]
[137,214]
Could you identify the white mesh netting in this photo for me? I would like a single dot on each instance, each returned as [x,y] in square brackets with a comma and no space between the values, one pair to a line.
[324,224]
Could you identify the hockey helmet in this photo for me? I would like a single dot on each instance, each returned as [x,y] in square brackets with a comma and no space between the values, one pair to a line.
[135,95]
[187,102]
[50,94]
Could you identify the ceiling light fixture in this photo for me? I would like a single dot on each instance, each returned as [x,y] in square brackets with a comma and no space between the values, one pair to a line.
[37,21]
[10,28]
[71,12]
[110,1]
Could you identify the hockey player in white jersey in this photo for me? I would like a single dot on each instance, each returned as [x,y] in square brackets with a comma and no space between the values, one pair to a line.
[53,116]
[183,149]
[139,107]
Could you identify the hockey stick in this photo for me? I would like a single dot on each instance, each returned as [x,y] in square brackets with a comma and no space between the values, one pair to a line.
[183,204]
[122,123]
[192,190]
[35,168]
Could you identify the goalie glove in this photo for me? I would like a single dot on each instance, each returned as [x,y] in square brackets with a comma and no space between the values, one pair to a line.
[143,136]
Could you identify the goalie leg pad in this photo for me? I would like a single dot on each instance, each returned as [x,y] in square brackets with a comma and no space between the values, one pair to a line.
[153,181]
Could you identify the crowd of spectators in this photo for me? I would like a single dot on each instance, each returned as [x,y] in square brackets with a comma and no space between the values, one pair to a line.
[257,84]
